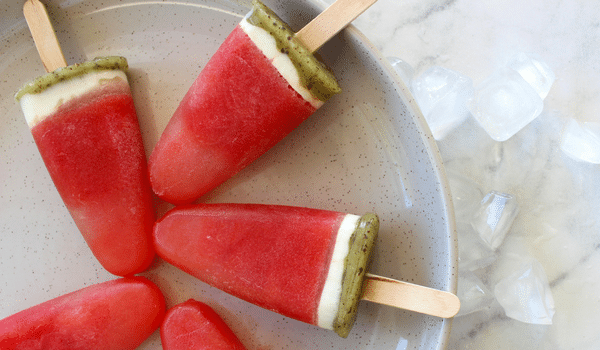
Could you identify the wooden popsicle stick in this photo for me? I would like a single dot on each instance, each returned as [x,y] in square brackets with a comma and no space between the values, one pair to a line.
[43,35]
[331,21]
[413,297]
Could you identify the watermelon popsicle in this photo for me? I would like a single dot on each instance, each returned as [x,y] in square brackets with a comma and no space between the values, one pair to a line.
[118,314]
[260,85]
[195,325]
[85,126]
[307,264]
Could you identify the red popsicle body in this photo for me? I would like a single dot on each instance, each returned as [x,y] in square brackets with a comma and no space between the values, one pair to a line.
[118,314]
[92,147]
[193,325]
[276,257]
[238,108]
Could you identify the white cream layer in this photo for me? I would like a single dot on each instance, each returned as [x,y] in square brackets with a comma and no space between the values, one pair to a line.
[332,291]
[36,107]
[282,62]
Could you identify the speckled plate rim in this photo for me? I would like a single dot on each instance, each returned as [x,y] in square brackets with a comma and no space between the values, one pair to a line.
[433,154]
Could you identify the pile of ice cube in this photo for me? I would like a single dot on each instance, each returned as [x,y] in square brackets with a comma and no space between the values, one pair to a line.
[482,227]
[502,105]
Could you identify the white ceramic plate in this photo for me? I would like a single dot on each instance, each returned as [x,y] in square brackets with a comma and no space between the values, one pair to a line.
[368,149]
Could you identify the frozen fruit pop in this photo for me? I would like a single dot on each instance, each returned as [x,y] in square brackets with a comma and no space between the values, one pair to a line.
[84,124]
[193,325]
[307,264]
[258,87]
[118,314]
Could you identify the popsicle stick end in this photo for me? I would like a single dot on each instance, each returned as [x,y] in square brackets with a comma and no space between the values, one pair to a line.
[409,296]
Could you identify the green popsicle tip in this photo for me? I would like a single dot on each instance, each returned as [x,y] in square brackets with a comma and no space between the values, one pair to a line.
[355,267]
[45,81]
[314,75]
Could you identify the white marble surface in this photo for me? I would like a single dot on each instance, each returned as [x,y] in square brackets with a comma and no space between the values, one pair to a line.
[558,222]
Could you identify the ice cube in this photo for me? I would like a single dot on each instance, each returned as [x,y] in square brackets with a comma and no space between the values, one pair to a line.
[537,73]
[472,293]
[442,95]
[466,196]
[404,70]
[525,294]
[494,217]
[505,103]
[582,141]
[473,253]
